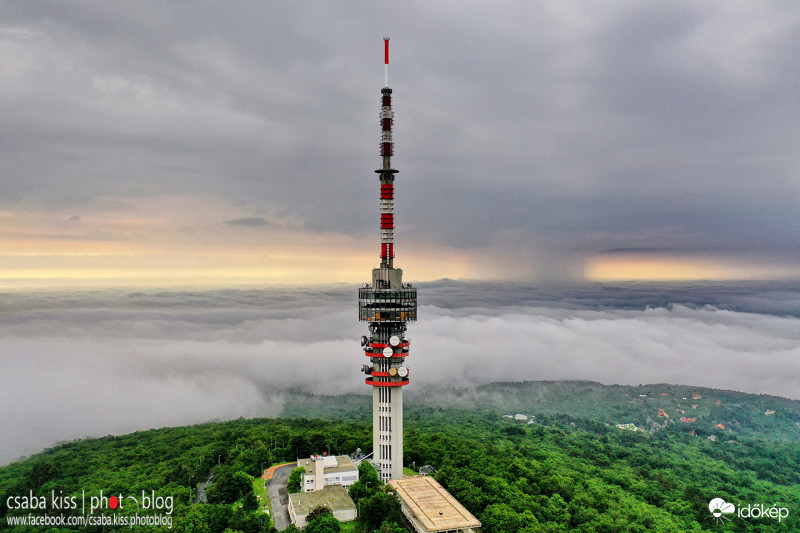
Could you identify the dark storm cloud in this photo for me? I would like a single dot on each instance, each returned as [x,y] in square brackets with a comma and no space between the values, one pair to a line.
[575,128]
[114,361]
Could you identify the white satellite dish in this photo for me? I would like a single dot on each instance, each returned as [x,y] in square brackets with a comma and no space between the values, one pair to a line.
[402,371]
[394,340]
[364,340]
[387,352]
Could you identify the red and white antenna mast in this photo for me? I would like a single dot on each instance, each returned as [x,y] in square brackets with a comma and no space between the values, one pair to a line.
[386,62]
[386,172]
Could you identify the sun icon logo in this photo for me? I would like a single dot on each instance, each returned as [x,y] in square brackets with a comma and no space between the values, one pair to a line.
[720,507]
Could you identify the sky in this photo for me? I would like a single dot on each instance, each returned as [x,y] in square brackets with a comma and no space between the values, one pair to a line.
[206,143]
[81,362]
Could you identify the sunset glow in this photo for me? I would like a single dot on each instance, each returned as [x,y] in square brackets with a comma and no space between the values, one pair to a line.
[677,268]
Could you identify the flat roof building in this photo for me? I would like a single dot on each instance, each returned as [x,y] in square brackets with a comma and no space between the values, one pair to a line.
[334,497]
[324,470]
[430,508]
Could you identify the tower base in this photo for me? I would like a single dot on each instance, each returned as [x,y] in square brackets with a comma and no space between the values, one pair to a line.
[387,433]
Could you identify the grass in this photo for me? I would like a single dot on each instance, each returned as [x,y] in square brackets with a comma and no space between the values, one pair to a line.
[261,494]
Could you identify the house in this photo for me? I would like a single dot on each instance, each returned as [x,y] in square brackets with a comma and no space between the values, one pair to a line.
[427,470]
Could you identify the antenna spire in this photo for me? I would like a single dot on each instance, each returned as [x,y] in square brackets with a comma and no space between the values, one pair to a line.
[386,62]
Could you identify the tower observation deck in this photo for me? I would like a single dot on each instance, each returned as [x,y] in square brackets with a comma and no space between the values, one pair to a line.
[387,305]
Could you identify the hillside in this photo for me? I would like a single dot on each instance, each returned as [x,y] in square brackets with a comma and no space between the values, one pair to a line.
[566,468]
[761,416]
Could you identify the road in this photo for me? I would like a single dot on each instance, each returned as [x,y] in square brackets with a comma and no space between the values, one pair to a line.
[279,497]
[201,490]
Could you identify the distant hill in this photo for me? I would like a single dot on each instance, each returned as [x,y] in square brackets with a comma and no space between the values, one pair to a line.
[703,409]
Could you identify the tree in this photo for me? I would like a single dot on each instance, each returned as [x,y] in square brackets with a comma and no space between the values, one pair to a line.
[358,491]
[367,484]
[380,507]
[248,522]
[323,523]
[208,518]
[229,487]
[250,502]
[367,475]
[501,518]
[391,527]
[556,510]
[295,480]
[318,511]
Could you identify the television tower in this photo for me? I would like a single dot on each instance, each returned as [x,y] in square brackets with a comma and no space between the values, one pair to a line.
[387,305]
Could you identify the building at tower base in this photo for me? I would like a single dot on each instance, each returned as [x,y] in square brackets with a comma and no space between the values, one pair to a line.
[334,497]
[430,508]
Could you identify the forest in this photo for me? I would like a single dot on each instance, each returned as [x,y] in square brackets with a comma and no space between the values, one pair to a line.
[548,472]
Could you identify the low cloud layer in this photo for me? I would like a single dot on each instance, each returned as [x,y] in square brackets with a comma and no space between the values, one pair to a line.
[99,362]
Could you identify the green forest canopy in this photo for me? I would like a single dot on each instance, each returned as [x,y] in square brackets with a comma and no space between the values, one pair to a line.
[561,472]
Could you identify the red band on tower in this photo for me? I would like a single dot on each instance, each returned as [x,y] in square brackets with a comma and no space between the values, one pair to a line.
[386,50]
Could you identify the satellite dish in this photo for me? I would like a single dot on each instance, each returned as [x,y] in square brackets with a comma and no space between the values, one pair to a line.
[402,371]
[392,371]
[364,340]
[394,340]
[387,352]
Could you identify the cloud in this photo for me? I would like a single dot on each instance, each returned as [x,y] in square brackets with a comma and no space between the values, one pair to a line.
[82,363]
[253,222]
[582,129]
[705,347]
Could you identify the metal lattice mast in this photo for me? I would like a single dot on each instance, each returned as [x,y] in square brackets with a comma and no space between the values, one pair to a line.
[387,305]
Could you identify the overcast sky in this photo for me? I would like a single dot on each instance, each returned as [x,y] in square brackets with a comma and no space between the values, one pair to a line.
[535,140]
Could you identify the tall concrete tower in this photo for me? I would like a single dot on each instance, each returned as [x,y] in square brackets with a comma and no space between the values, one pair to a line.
[387,304]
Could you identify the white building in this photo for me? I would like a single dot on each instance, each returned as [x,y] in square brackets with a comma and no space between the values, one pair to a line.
[334,498]
[325,470]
